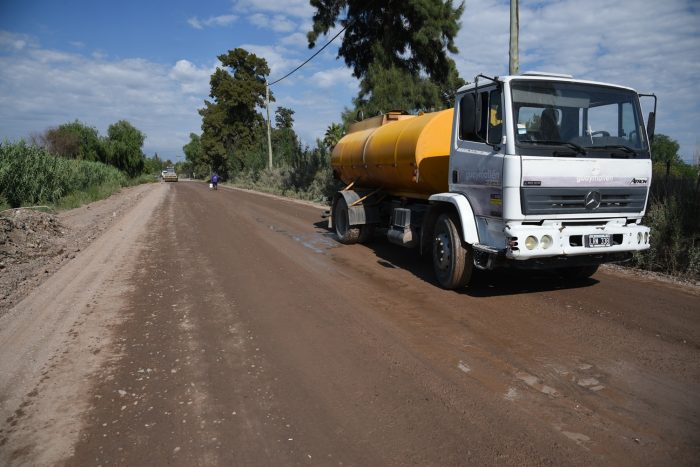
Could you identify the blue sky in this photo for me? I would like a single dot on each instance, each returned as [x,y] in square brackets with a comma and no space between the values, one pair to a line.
[149,62]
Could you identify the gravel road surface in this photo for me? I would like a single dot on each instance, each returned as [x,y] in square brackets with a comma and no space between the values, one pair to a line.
[230,328]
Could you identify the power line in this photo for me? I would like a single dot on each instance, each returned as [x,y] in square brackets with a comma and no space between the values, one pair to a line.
[311,57]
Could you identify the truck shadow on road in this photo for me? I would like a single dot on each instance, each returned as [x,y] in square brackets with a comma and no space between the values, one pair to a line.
[483,284]
[515,282]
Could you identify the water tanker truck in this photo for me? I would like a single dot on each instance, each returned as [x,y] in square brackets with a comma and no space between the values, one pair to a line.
[534,171]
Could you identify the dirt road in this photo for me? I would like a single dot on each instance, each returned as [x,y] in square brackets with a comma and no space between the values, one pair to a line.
[229,328]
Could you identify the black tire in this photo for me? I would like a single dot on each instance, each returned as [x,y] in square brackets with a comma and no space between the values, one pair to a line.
[452,260]
[341,223]
[578,272]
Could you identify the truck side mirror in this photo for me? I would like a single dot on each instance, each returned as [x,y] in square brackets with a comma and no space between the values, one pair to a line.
[651,125]
[467,112]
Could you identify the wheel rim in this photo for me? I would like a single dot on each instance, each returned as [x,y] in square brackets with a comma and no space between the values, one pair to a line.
[442,253]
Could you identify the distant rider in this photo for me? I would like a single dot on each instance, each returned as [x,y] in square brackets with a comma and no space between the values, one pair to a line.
[214,181]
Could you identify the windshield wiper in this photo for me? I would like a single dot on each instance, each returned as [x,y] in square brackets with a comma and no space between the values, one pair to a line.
[575,147]
[620,147]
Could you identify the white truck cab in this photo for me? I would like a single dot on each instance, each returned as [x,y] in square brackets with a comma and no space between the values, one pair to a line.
[554,172]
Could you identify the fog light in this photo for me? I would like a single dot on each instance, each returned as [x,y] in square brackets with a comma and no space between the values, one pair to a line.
[531,242]
[546,242]
[639,237]
[646,237]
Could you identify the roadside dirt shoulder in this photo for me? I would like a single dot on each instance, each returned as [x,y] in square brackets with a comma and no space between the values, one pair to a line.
[34,244]
[59,334]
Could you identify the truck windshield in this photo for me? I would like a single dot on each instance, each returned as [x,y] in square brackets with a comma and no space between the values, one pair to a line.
[566,119]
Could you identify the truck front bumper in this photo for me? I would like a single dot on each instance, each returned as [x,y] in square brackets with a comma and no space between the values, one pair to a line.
[551,239]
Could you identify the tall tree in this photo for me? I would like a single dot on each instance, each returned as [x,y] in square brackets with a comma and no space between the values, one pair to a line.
[74,140]
[231,122]
[333,134]
[403,40]
[124,147]
[665,150]
[284,117]
[285,142]
[195,157]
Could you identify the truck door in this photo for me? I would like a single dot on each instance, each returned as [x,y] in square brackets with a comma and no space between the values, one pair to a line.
[476,159]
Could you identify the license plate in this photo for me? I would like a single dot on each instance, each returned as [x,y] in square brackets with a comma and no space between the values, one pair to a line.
[597,240]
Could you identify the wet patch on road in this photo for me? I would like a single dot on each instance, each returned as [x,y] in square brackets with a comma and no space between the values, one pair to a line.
[318,242]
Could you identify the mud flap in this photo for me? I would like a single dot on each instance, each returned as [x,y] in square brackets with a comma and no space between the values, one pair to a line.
[358,212]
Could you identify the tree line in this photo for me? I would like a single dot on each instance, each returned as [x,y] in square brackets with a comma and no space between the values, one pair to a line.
[71,164]
[121,147]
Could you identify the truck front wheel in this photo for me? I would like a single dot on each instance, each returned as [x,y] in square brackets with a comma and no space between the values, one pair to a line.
[452,260]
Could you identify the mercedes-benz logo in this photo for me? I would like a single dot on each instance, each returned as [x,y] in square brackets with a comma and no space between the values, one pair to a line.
[592,200]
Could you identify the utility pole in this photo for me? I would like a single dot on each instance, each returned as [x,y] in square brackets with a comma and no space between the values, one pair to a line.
[514,66]
[269,140]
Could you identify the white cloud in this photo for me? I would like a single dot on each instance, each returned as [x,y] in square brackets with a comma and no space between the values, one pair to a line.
[297,40]
[221,20]
[296,8]
[315,110]
[192,79]
[53,56]
[317,100]
[98,55]
[278,23]
[195,23]
[43,88]
[10,41]
[334,78]
[278,58]
[483,39]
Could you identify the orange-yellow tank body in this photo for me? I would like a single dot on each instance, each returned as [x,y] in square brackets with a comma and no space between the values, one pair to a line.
[408,156]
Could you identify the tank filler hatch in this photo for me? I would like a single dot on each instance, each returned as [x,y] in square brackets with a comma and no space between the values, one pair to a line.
[379,120]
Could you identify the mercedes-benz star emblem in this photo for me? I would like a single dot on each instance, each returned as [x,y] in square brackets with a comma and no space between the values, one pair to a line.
[592,200]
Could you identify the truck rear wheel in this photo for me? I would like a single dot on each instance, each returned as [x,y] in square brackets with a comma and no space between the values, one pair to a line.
[452,260]
[341,222]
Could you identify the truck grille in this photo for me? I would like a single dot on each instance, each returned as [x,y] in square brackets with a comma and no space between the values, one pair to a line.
[537,200]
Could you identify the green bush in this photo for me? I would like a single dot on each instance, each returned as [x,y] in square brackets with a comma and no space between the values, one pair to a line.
[30,175]
[674,218]
[317,186]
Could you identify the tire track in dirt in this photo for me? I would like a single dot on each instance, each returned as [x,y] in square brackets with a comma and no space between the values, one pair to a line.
[56,338]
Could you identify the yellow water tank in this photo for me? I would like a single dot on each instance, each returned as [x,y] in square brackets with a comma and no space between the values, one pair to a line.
[404,155]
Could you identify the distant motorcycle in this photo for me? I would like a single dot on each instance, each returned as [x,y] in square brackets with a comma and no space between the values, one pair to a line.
[214,182]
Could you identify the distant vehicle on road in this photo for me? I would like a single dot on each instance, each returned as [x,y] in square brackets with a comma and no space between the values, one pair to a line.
[169,174]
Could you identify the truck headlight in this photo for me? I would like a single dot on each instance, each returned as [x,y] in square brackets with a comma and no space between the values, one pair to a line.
[546,242]
[531,242]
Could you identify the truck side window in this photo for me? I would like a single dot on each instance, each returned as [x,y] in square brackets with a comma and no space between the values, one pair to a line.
[474,122]
[495,126]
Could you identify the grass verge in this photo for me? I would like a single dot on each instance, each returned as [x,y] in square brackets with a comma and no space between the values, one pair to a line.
[30,176]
